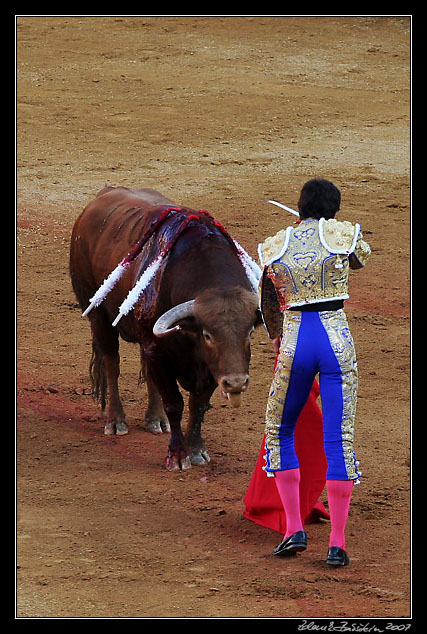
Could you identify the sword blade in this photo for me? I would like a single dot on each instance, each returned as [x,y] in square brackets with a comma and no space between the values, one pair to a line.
[274,202]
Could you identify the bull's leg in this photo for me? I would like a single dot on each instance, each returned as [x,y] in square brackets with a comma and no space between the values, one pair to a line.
[173,404]
[155,416]
[177,457]
[198,405]
[116,420]
[106,342]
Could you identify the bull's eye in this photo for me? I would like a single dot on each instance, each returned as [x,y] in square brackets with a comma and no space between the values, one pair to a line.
[207,337]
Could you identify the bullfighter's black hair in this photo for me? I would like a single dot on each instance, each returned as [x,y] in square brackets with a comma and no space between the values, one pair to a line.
[319,198]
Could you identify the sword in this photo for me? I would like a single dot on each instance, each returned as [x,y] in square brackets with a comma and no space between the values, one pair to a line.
[292,211]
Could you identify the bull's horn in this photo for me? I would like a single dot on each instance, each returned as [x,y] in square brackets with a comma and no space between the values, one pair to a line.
[162,327]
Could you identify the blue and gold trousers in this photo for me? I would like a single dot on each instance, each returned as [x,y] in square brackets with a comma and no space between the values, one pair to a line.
[314,343]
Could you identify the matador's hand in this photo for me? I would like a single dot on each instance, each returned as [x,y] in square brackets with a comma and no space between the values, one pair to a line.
[276,345]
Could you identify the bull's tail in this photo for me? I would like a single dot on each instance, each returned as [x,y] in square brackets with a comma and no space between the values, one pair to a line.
[97,375]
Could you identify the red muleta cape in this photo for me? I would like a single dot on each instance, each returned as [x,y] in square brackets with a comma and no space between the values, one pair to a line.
[262,501]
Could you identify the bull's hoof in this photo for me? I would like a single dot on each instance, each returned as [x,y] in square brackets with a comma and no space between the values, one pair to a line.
[158,426]
[174,463]
[200,457]
[109,429]
[119,429]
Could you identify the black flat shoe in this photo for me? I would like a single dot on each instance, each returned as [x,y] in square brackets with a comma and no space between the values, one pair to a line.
[292,545]
[337,557]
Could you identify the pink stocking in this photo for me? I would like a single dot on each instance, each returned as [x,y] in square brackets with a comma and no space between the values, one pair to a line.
[339,494]
[287,483]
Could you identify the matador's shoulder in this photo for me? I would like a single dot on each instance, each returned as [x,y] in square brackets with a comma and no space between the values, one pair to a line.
[273,247]
[339,236]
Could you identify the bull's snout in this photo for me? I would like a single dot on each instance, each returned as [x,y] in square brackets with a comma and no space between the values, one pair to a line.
[234,383]
[232,387]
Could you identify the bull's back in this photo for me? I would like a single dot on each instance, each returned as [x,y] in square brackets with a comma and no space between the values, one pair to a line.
[105,232]
[110,226]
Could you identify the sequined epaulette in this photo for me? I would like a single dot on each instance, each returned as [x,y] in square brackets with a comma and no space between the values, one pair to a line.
[338,236]
[273,247]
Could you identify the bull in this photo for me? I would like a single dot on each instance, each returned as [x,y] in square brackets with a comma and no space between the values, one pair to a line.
[193,321]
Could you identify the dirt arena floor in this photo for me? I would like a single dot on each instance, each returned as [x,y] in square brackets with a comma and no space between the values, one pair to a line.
[217,113]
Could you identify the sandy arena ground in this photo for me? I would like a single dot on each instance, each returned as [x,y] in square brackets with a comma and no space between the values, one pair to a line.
[217,113]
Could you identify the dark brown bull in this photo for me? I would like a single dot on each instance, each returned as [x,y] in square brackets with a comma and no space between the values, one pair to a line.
[202,288]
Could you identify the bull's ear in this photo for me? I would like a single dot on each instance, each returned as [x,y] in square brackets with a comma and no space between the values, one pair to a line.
[258,318]
[188,326]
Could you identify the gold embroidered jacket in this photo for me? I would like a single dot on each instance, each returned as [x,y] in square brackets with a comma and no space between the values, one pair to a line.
[307,264]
